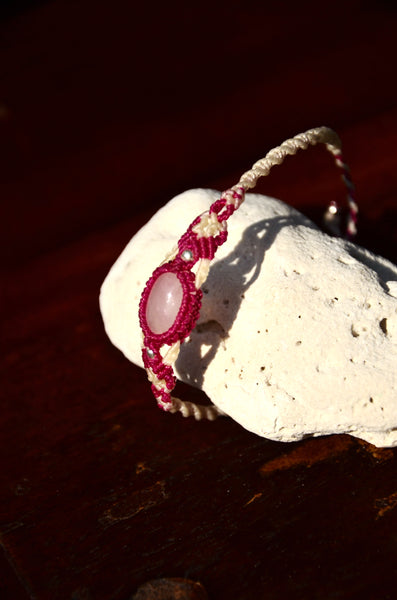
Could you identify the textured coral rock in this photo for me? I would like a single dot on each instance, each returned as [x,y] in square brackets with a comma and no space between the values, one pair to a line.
[297,334]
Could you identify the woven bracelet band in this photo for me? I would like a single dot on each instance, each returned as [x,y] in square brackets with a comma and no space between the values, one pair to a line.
[171,301]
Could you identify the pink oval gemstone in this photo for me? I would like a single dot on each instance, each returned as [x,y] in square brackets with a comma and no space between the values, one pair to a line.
[164,302]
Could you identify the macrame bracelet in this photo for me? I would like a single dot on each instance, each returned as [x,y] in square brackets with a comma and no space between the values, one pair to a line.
[171,301]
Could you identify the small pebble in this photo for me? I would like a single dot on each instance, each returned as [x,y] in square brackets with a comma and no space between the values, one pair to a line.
[173,588]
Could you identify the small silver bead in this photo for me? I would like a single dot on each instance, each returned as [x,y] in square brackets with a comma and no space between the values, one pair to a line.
[150,353]
[332,209]
[187,255]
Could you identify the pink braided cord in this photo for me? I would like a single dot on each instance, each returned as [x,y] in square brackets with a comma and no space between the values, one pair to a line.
[351,224]
[199,247]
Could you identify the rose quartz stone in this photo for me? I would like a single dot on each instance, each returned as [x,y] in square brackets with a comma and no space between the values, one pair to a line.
[164,302]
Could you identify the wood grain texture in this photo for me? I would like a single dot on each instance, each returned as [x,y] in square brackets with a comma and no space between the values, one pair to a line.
[106,111]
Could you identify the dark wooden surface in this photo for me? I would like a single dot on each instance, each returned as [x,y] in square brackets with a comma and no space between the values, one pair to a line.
[106,111]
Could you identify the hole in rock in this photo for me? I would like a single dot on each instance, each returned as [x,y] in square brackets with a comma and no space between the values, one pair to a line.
[383,325]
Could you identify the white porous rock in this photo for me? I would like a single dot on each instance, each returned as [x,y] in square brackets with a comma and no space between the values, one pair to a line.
[297,334]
